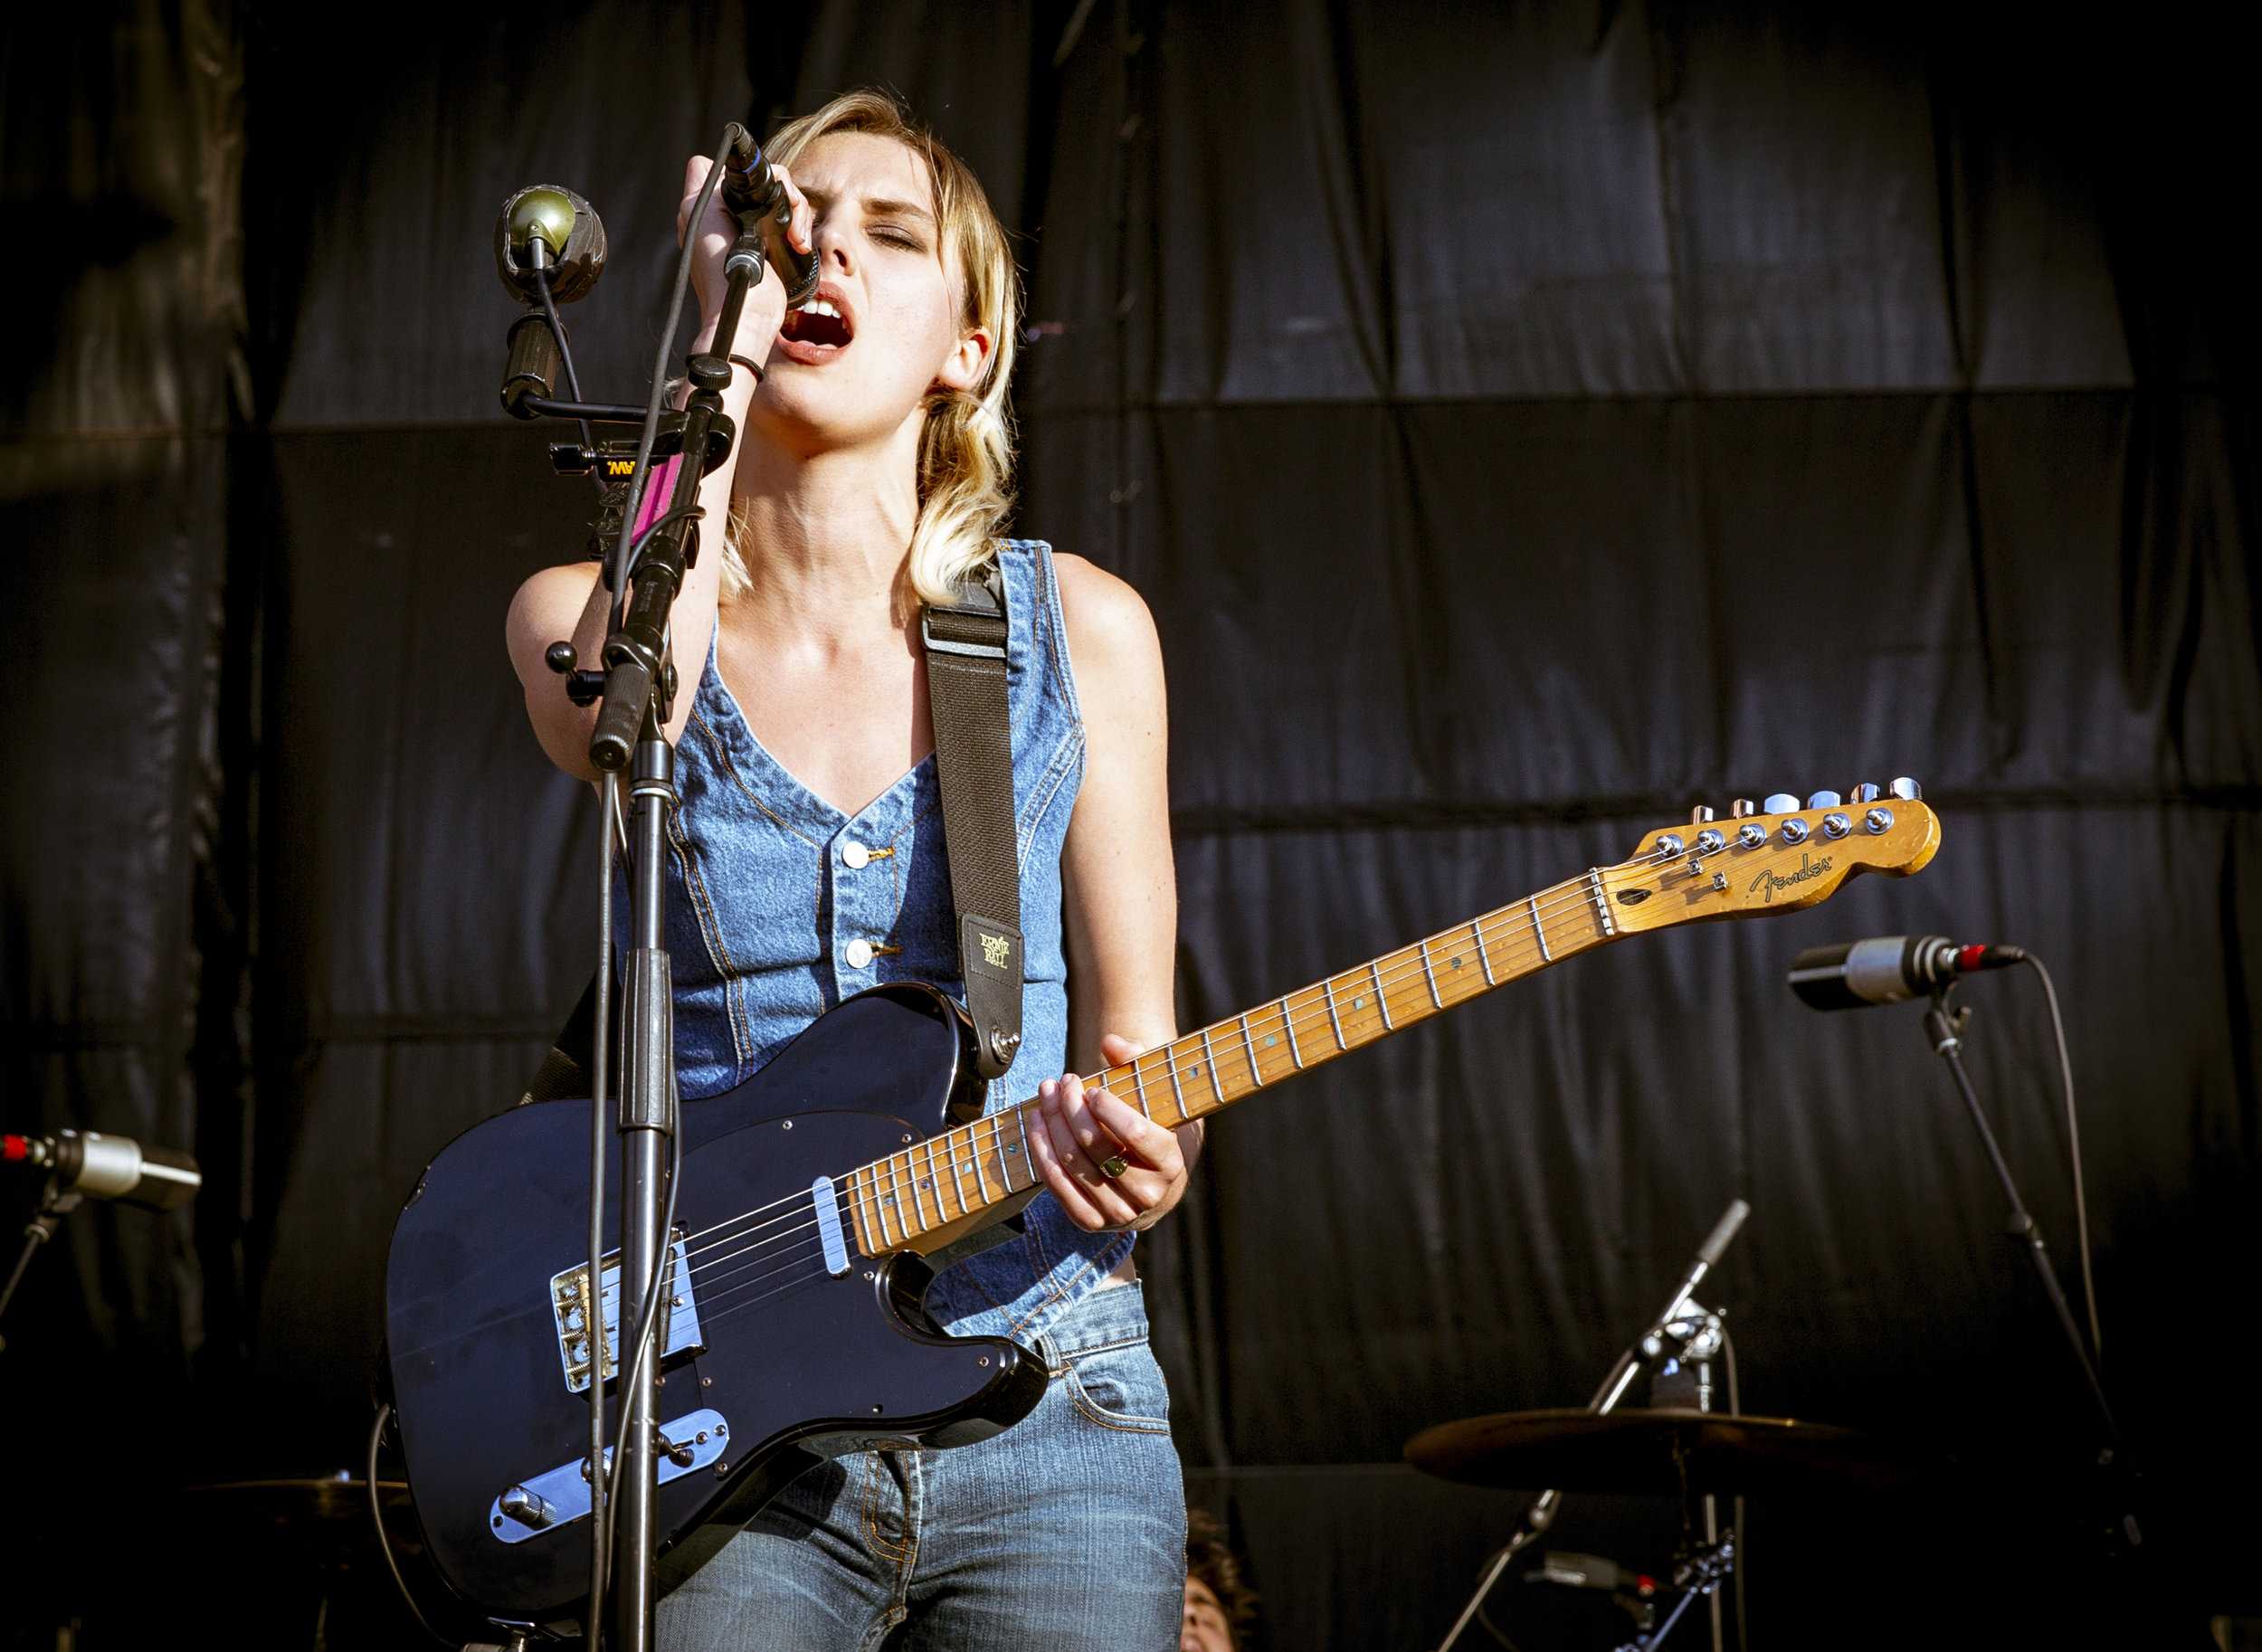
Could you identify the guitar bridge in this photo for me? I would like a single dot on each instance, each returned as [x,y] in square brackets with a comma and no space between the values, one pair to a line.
[573,1314]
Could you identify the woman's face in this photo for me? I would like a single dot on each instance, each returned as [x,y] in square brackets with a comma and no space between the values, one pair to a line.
[855,377]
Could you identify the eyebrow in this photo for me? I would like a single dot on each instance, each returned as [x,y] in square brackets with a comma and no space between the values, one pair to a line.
[878,206]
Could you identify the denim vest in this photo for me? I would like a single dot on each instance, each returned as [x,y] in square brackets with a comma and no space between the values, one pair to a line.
[779,907]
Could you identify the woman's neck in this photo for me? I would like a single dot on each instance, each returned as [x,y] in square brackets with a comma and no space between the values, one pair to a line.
[826,534]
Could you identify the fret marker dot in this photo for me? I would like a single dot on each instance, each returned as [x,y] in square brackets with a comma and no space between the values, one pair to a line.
[1194,1071]
[1270,1039]
[1358,1003]
[1457,963]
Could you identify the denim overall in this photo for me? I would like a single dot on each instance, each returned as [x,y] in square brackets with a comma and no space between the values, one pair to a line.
[779,907]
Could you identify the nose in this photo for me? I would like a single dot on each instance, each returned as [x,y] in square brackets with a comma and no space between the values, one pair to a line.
[832,243]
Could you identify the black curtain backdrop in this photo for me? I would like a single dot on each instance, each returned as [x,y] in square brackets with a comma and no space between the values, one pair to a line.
[1524,423]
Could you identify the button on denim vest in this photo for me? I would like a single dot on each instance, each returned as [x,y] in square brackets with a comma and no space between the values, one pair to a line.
[779,907]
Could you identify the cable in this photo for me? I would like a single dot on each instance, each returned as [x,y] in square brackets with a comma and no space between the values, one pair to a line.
[640,472]
[1495,1630]
[565,354]
[1735,1408]
[385,1540]
[600,1504]
[648,1312]
[2073,1146]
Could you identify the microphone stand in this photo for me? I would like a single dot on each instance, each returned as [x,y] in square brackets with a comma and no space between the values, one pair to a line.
[1544,1507]
[637,689]
[1945,1030]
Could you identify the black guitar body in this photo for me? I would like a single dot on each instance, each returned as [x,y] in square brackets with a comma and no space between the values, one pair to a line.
[794,1359]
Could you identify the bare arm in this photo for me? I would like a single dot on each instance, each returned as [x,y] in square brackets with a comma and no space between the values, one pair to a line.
[571,602]
[1120,902]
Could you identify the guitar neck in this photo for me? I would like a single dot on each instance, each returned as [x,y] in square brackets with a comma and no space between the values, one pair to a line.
[962,1178]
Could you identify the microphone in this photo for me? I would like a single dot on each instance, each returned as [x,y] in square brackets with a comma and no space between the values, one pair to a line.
[1889,969]
[547,229]
[546,237]
[1709,1256]
[109,1167]
[749,186]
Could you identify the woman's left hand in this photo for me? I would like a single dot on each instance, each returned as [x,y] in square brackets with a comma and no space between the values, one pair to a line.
[1088,1132]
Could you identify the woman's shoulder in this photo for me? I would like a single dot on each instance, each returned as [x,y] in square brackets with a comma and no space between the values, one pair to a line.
[1092,599]
[1111,634]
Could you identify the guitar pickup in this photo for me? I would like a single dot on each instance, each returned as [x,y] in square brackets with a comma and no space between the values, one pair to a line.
[573,1314]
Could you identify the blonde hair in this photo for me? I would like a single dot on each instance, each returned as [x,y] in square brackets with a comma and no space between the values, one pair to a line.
[967,446]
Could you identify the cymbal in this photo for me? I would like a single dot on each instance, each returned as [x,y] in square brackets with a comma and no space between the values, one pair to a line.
[1669,1451]
[296,1502]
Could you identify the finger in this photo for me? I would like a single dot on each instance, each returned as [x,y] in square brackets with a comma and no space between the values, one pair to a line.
[804,223]
[1075,1133]
[1097,1144]
[1116,1050]
[695,172]
[1147,1142]
[1081,1150]
[1065,1186]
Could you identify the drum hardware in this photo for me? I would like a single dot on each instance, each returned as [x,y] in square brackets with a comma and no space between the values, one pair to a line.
[1685,1328]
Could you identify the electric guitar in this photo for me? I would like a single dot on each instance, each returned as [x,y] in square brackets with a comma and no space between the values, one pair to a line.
[813,1196]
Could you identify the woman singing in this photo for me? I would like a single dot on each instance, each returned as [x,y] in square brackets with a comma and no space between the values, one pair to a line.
[872,475]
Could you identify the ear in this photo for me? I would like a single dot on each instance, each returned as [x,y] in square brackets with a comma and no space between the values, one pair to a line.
[963,368]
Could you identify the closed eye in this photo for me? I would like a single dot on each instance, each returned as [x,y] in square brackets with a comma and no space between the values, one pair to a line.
[898,238]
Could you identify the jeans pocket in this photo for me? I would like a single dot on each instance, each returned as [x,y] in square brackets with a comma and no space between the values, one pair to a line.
[1121,1387]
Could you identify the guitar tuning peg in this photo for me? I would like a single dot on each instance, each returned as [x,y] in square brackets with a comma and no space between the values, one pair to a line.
[1907,789]
[1742,807]
[1701,815]
[1868,792]
[1780,802]
[1825,799]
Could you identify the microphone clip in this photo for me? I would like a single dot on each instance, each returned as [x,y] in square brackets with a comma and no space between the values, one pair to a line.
[1692,1335]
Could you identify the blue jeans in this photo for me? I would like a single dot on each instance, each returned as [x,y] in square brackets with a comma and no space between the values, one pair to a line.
[1066,1532]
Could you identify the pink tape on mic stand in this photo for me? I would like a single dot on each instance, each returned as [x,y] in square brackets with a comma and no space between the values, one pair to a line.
[659,486]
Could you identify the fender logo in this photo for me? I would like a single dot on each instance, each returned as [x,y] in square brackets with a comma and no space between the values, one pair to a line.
[1809,870]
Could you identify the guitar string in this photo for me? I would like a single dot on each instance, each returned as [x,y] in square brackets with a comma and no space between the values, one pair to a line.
[1570,894]
[1519,952]
[1399,977]
[1280,1011]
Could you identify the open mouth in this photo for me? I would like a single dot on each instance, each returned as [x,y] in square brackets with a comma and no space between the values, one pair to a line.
[820,328]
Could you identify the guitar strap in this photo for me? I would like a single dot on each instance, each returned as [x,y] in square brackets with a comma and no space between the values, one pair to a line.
[974,763]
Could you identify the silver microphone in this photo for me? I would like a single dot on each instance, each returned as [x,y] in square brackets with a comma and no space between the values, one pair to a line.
[97,1167]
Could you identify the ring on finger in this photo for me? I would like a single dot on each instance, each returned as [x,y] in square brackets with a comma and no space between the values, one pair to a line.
[1112,1166]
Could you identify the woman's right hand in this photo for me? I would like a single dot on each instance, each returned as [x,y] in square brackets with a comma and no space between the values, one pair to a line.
[764,309]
